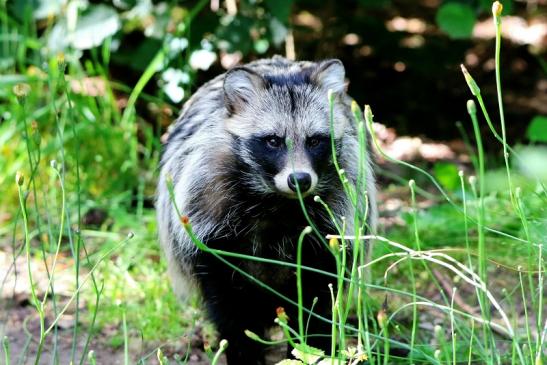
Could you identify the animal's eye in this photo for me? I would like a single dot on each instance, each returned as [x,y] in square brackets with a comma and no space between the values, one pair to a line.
[274,141]
[314,141]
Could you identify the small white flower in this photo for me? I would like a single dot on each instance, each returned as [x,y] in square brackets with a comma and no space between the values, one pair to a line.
[174,92]
[202,59]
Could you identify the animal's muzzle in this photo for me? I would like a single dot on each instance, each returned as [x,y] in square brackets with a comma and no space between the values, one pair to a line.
[303,179]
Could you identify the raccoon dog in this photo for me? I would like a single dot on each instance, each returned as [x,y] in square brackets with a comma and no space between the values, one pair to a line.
[243,146]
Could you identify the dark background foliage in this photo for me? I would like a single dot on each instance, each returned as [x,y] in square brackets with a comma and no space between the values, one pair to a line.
[402,57]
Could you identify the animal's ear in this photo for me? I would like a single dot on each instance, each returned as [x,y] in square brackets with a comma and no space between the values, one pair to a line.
[241,86]
[329,75]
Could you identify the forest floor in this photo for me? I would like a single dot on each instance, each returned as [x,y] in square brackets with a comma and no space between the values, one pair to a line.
[21,323]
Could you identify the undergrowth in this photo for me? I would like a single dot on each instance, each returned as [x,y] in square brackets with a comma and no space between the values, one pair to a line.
[461,281]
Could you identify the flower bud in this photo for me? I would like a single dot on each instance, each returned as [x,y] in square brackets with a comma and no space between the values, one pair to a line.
[471,107]
[411,183]
[61,63]
[382,318]
[472,180]
[334,244]
[437,354]
[21,91]
[207,346]
[281,315]
[382,314]
[19,178]
[475,90]
[253,336]
[497,8]
[223,344]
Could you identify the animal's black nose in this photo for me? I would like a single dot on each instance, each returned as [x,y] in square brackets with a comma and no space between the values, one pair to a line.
[303,179]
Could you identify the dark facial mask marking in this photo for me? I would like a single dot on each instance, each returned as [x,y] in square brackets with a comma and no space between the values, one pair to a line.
[267,155]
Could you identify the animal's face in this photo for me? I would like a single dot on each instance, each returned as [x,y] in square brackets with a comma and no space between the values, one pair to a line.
[281,126]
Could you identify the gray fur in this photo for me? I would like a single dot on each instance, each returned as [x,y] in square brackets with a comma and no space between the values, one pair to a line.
[198,156]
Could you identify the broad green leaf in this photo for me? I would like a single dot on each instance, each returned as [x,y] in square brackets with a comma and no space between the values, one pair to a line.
[537,129]
[308,354]
[457,20]
[532,161]
[93,26]
[290,362]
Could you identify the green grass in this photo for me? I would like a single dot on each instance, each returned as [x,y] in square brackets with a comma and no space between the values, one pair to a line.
[71,153]
[489,225]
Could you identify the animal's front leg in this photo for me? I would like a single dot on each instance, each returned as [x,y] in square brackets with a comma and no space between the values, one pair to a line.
[235,306]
